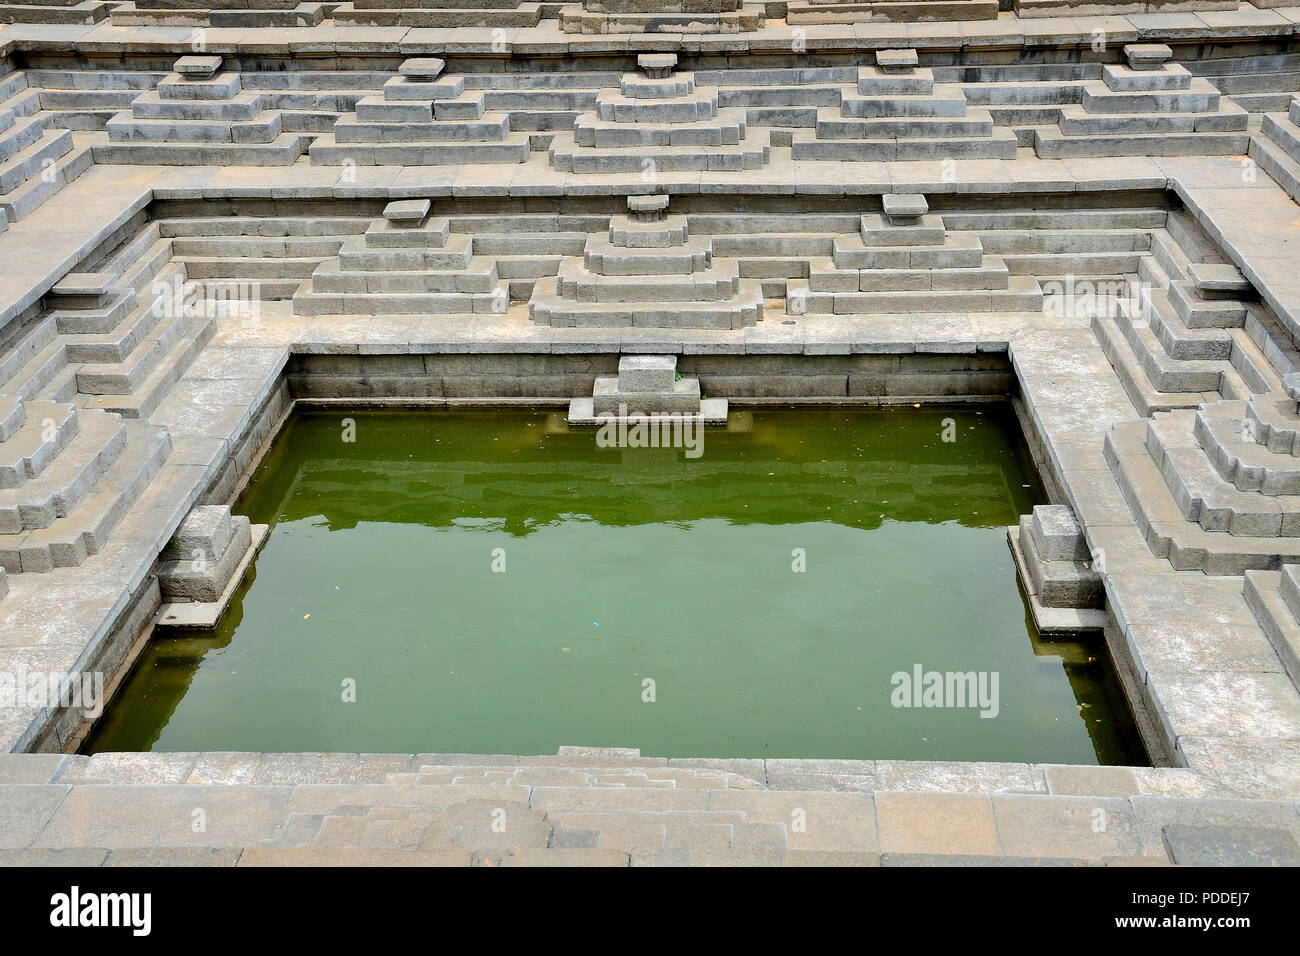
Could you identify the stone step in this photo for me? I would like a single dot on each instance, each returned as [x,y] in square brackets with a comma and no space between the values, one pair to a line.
[1124,79]
[251,269]
[1200,313]
[1284,131]
[546,307]
[150,106]
[144,399]
[944,100]
[513,149]
[256,247]
[1058,583]
[97,320]
[1061,240]
[1077,121]
[1180,342]
[1002,144]
[311,301]
[1166,529]
[492,128]
[1051,143]
[65,481]
[85,530]
[480,276]
[567,156]
[1137,385]
[718,282]
[823,276]
[282,150]
[263,128]
[523,17]
[119,341]
[1022,294]
[958,251]
[27,451]
[1200,491]
[303,15]
[24,140]
[694,106]
[1273,597]
[1165,373]
[727,129]
[355,255]
[127,376]
[1200,96]
[24,198]
[972,124]
[83,12]
[1274,423]
[602,257]
[1283,168]
[1229,443]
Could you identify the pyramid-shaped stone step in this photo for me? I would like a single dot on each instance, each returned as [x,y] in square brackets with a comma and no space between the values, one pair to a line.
[1225,117]
[1177,339]
[124,376]
[491,128]
[478,276]
[751,152]
[167,369]
[1163,523]
[547,307]
[602,256]
[956,251]
[1228,435]
[1274,424]
[941,100]
[1165,372]
[990,274]
[32,434]
[87,527]
[1132,374]
[65,480]
[1202,493]
[728,128]
[717,282]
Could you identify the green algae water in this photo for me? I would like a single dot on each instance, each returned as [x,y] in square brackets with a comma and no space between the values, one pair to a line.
[490,581]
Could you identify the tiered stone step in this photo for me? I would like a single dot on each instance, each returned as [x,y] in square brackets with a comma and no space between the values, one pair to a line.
[800,12]
[422,119]
[1274,597]
[74,12]
[661,16]
[497,14]
[203,564]
[1055,566]
[67,477]
[900,113]
[907,261]
[107,346]
[647,272]
[1184,507]
[408,262]
[199,115]
[1178,346]
[87,100]
[647,387]
[658,119]
[1277,149]
[278,253]
[36,160]
[1146,107]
